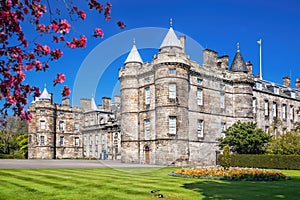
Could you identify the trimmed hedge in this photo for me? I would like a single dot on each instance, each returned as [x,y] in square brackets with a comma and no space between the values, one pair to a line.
[263,161]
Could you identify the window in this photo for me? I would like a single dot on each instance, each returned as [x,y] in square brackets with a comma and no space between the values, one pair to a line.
[267,129]
[42,140]
[91,140]
[199,81]
[147,95]
[293,95]
[172,71]
[283,111]
[200,128]
[223,126]
[42,112]
[291,113]
[61,125]
[222,100]
[96,139]
[266,108]
[172,125]
[276,90]
[76,126]
[199,97]
[258,85]
[254,105]
[61,141]
[274,109]
[147,129]
[222,86]
[85,140]
[42,125]
[61,114]
[172,91]
[76,141]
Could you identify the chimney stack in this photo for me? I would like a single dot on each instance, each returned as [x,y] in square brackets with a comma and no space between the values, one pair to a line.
[249,67]
[106,104]
[286,81]
[298,83]
[182,42]
[66,102]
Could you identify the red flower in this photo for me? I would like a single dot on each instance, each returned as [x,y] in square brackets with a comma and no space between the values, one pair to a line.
[59,79]
[81,14]
[56,54]
[66,91]
[98,33]
[121,24]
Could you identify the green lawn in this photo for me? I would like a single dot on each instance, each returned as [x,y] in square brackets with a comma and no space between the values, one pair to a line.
[134,183]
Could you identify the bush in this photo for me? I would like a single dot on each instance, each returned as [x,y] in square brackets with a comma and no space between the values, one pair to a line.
[263,161]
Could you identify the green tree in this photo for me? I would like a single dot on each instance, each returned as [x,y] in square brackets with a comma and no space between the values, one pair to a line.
[245,138]
[285,144]
[226,159]
[9,132]
[23,144]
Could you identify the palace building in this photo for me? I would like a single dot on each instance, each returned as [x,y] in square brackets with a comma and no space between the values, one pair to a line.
[85,131]
[170,111]
[173,109]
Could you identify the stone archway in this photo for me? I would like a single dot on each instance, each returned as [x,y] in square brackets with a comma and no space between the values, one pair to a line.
[147,154]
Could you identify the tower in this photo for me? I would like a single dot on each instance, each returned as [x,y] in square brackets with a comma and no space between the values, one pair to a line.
[242,88]
[130,106]
[171,68]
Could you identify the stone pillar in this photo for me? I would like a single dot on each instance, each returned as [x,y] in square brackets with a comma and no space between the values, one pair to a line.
[249,67]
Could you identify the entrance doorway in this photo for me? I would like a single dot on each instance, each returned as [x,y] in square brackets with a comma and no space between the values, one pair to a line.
[147,155]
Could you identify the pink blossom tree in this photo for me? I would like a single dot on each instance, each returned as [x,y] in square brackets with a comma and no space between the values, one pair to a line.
[19,56]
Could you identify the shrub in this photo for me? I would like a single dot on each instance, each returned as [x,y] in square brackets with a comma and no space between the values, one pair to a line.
[264,161]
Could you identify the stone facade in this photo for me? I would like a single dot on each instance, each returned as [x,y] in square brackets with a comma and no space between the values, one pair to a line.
[173,109]
[61,131]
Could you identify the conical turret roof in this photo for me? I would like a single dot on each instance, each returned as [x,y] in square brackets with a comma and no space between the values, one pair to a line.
[133,56]
[171,40]
[238,64]
[45,95]
[93,104]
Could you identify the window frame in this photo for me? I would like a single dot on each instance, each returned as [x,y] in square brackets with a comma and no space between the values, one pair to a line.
[172,125]
[172,90]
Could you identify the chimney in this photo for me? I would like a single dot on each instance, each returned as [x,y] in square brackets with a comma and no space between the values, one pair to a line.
[298,83]
[249,67]
[117,99]
[85,104]
[66,102]
[182,42]
[209,57]
[106,104]
[223,60]
[257,76]
[286,81]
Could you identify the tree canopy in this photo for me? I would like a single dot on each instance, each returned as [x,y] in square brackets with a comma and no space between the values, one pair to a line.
[20,55]
[245,138]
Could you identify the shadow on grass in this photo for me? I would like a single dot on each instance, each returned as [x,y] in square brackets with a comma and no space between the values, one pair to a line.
[234,190]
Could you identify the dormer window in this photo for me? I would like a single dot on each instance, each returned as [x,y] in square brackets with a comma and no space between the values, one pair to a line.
[258,85]
[276,90]
[293,95]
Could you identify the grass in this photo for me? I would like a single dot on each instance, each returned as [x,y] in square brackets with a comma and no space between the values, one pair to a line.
[133,183]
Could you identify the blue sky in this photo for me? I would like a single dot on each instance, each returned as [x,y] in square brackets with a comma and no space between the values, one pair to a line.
[214,24]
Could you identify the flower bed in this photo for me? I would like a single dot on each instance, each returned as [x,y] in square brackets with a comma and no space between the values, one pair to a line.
[232,173]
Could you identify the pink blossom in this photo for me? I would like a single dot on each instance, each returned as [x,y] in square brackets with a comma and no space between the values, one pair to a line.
[98,33]
[56,54]
[59,79]
[66,91]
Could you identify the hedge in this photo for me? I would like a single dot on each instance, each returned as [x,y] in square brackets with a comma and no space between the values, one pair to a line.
[263,161]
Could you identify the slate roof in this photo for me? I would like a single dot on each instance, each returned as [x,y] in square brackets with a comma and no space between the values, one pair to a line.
[133,56]
[238,63]
[171,40]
